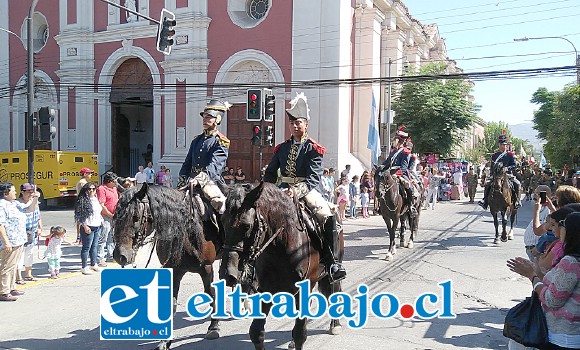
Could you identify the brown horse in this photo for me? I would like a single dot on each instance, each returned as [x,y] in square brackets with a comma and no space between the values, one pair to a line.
[265,230]
[183,240]
[501,201]
[395,211]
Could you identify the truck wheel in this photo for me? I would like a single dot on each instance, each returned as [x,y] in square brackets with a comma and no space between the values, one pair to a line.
[42,203]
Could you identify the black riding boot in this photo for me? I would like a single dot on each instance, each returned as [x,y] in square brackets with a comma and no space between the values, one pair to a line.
[516,194]
[483,203]
[335,269]
[411,198]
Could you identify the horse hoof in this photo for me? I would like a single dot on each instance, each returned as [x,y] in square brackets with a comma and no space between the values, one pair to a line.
[410,244]
[292,345]
[162,346]
[496,241]
[336,330]
[510,235]
[389,257]
[212,334]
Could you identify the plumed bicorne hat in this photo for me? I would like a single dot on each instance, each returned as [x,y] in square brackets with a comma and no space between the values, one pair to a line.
[216,108]
[401,134]
[503,139]
[298,108]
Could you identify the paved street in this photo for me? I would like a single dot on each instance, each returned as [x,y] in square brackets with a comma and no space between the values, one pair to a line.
[454,243]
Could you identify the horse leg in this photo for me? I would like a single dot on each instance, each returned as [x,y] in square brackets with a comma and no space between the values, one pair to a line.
[391,226]
[178,274]
[512,219]
[402,228]
[503,226]
[257,332]
[496,224]
[206,274]
[327,289]
[413,227]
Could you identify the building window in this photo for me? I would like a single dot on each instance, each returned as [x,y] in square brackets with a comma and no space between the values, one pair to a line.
[257,8]
[248,13]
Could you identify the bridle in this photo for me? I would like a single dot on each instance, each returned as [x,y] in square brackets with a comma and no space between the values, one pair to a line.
[257,247]
[141,237]
[260,228]
[386,190]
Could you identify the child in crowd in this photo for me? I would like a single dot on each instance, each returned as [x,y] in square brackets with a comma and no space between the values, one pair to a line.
[342,197]
[364,200]
[53,251]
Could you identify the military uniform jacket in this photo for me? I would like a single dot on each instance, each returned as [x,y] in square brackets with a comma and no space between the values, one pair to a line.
[307,163]
[208,152]
[401,159]
[508,160]
[472,180]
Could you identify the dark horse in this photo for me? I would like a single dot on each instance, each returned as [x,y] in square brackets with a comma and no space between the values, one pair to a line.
[395,211]
[183,241]
[500,200]
[266,222]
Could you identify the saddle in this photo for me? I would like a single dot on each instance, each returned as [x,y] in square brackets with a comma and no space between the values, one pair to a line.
[309,222]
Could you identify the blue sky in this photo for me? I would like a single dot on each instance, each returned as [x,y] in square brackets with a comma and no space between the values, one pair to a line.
[477,30]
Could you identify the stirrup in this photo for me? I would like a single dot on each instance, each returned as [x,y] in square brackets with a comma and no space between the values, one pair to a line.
[336,272]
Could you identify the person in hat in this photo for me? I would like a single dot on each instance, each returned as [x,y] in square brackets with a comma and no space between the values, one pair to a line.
[207,156]
[472,179]
[86,175]
[509,162]
[398,160]
[299,160]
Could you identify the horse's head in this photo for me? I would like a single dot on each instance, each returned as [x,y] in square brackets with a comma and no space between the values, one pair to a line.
[498,171]
[238,222]
[384,180]
[132,223]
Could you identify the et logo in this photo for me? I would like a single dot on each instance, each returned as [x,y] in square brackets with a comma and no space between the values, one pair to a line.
[136,304]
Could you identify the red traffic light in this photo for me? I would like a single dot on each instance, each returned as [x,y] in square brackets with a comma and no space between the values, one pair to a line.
[253,97]
[256,129]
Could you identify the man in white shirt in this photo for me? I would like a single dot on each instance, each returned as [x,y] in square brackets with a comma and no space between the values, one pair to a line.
[151,174]
[140,177]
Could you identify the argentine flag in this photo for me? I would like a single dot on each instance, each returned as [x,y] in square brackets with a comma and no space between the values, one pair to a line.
[374,143]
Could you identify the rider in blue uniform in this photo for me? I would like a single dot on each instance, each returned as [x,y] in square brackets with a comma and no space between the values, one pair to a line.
[207,156]
[507,158]
[398,161]
[299,160]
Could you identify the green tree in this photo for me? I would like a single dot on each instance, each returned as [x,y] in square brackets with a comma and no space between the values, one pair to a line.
[435,111]
[544,117]
[558,122]
[491,132]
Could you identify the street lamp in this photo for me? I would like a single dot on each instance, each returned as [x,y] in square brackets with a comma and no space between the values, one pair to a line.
[405,63]
[577,63]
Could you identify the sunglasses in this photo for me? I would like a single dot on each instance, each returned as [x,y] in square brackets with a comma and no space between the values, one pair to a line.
[92,188]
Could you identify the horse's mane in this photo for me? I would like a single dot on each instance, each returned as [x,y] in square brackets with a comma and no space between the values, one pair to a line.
[497,169]
[275,206]
[172,216]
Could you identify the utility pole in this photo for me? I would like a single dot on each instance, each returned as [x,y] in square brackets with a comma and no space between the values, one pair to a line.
[30,82]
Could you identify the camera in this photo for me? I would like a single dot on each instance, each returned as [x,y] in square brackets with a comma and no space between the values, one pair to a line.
[543,197]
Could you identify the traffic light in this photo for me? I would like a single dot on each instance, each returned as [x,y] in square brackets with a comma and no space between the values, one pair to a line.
[46,123]
[269,107]
[257,135]
[165,31]
[254,105]
[269,136]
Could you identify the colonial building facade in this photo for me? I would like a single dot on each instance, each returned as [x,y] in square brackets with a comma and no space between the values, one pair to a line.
[115,95]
